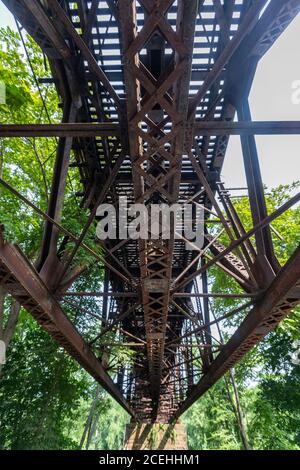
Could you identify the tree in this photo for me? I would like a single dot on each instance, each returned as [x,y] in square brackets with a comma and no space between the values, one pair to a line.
[42,389]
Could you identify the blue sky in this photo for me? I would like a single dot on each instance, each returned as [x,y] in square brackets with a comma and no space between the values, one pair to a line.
[270,99]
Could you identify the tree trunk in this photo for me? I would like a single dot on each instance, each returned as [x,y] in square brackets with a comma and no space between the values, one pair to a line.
[7,331]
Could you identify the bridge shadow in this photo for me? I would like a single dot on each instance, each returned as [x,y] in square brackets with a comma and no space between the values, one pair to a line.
[151,436]
[168,437]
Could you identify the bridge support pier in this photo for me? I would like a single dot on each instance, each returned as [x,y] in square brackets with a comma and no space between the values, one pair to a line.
[155,436]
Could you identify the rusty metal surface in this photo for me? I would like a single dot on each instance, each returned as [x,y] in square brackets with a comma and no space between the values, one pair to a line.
[203,128]
[154,88]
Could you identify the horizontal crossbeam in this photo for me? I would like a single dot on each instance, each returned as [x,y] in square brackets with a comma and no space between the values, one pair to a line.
[216,128]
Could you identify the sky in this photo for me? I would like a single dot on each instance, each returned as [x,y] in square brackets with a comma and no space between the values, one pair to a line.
[270,99]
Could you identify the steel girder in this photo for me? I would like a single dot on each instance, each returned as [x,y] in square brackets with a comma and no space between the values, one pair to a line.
[153,124]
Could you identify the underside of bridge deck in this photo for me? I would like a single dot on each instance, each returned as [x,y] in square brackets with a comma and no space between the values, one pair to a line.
[150,91]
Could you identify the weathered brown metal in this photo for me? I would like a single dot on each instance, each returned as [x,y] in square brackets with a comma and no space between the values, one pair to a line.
[60,130]
[156,257]
[268,263]
[41,17]
[154,113]
[246,128]
[101,294]
[95,68]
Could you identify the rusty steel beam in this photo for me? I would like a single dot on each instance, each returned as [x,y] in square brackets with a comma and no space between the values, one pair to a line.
[101,294]
[246,27]
[22,281]
[201,128]
[50,30]
[156,258]
[214,295]
[233,265]
[95,68]
[266,259]
[177,294]
[247,127]
[282,296]
[237,225]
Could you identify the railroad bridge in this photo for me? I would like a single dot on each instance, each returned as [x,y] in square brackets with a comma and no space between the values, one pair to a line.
[150,92]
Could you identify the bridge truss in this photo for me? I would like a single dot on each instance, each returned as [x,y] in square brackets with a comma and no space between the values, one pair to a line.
[150,91]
